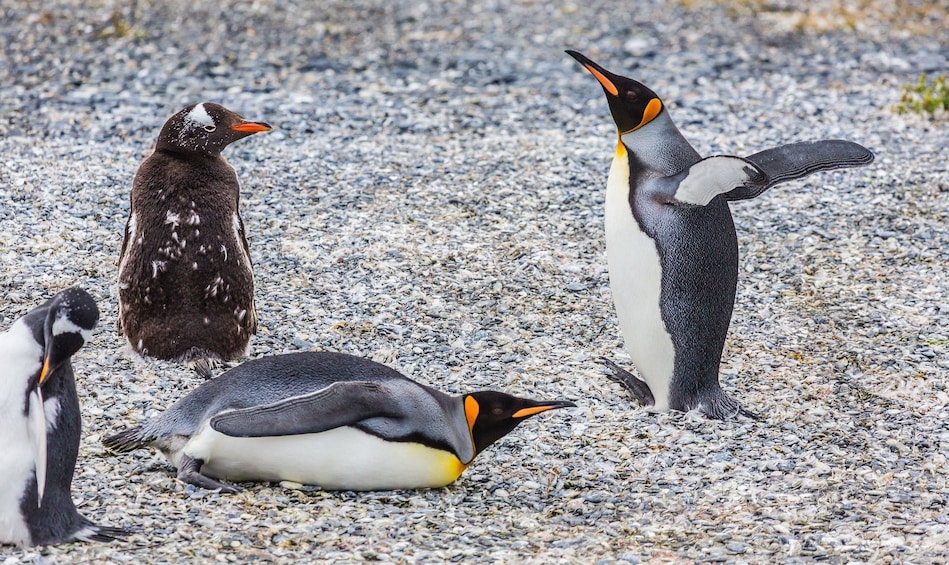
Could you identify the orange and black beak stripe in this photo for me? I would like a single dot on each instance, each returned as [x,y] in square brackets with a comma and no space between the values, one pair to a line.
[543,407]
[251,127]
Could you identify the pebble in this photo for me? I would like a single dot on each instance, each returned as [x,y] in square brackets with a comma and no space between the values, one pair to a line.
[432,196]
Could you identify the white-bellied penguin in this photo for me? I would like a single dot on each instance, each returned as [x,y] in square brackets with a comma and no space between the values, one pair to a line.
[328,419]
[671,244]
[186,284]
[40,424]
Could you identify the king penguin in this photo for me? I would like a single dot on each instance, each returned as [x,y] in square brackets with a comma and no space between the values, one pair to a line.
[328,419]
[186,285]
[671,245]
[40,424]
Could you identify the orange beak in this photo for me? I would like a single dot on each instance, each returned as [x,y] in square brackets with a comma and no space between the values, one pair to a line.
[251,127]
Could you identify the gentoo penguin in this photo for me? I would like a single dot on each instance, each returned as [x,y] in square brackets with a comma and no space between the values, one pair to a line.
[40,424]
[671,244]
[186,285]
[328,419]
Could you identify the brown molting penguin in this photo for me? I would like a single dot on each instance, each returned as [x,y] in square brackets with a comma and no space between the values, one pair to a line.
[186,284]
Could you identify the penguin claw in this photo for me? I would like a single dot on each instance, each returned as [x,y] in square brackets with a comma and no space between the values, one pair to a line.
[204,366]
[724,407]
[636,386]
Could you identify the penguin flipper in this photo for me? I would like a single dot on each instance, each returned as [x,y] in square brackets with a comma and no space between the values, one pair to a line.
[339,404]
[798,160]
[720,174]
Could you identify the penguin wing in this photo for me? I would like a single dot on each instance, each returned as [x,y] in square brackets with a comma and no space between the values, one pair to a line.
[721,174]
[340,404]
[798,160]
[125,240]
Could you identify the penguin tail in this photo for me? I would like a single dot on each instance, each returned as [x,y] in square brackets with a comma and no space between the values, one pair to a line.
[127,440]
[92,532]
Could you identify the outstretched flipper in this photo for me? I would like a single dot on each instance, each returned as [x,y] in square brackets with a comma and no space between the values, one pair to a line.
[340,404]
[720,174]
[632,383]
[798,160]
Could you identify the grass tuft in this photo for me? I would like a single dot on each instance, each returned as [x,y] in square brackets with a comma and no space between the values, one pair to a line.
[925,97]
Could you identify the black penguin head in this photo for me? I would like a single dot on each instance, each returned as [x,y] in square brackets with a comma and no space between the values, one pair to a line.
[632,104]
[70,318]
[492,415]
[205,128]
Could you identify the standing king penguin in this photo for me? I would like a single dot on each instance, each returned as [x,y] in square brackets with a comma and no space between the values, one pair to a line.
[40,424]
[186,284]
[327,419]
[671,244]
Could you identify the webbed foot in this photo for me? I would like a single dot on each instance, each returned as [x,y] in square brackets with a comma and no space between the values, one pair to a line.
[190,472]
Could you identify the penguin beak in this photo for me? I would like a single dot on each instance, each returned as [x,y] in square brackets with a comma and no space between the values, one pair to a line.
[602,75]
[251,127]
[542,407]
[45,371]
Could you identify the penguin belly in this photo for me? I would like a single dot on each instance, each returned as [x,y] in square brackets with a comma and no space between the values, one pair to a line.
[636,283]
[16,463]
[343,458]
[16,458]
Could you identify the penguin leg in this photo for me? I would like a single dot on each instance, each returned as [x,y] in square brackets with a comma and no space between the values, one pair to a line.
[798,160]
[190,472]
[636,386]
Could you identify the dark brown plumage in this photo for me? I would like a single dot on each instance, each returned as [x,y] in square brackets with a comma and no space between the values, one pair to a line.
[186,284]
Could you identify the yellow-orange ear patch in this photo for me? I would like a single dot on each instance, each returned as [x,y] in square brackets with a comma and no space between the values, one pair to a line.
[652,110]
[525,412]
[471,411]
[607,83]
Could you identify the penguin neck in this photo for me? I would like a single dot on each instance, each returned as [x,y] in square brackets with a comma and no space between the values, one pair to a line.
[658,148]
[164,147]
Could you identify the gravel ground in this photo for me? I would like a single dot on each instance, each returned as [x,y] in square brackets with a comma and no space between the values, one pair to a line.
[432,198]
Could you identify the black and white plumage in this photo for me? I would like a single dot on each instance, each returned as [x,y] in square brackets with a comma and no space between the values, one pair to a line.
[671,243]
[186,284]
[327,419]
[40,424]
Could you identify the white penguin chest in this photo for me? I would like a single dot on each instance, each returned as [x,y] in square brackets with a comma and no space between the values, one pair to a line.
[20,354]
[340,459]
[636,284]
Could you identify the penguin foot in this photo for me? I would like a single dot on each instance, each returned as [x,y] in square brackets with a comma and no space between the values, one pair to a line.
[204,366]
[723,407]
[632,383]
[190,472]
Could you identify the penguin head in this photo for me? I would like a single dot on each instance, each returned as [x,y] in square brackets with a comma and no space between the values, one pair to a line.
[632,104]
[60,327]
[70,317]
[492,415]
[205,128]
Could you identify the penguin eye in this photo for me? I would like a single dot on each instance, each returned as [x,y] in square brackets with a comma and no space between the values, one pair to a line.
[210,128]
[497,411]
